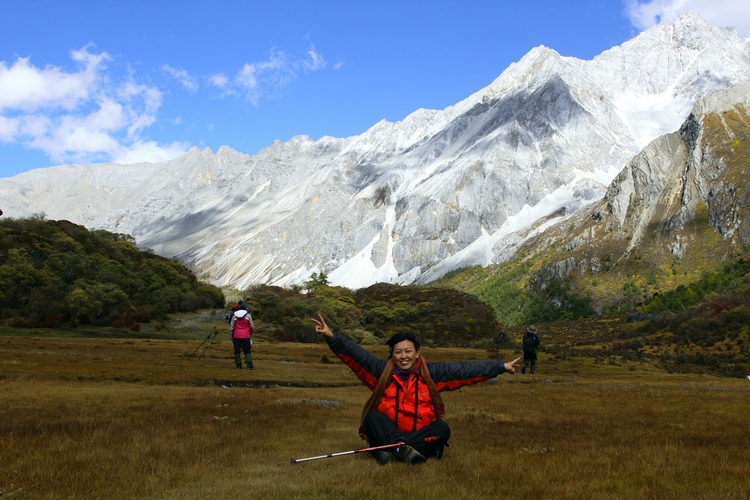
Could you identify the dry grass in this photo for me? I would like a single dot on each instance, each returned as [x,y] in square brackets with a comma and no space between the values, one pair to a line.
[109,418]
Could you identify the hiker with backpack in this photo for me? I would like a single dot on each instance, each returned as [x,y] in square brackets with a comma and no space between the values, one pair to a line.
[405,405]
[241,330]
[530,343]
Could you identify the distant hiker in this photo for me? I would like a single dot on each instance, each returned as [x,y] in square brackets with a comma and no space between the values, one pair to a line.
[405,405]
[235,307]
[241,330]
[530,343]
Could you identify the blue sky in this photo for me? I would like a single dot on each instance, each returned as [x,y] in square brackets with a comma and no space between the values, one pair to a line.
[84,81]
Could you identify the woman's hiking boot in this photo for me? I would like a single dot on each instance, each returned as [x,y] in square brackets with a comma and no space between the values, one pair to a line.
[384,457]
[408,454]
[238,365]
[437,453]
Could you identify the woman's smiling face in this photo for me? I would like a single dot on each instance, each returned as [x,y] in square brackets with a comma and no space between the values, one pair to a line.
[405,355]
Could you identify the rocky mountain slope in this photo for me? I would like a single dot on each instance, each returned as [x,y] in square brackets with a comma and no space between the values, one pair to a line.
[674,211]
[409,201]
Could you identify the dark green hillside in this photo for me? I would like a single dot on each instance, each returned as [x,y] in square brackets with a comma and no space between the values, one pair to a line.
[56,273]
[508,290]
[702,326]
[443,316]
[439,316]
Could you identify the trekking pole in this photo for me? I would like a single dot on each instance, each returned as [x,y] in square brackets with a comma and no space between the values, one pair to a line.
[211,341]
[204,341]
[374,448]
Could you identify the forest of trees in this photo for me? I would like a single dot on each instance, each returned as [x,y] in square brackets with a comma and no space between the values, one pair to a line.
[442,316]
[56,273]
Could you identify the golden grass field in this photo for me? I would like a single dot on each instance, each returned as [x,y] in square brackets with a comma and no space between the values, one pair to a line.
[141,418]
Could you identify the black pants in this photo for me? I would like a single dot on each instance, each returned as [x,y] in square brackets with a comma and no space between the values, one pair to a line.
[529,358]
[246,347]
[241,344]
[428,441]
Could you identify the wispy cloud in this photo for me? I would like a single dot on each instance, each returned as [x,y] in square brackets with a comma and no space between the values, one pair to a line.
[266,79]
[80,116]
[646,14]
[218,80]
[182,76]
[315,60]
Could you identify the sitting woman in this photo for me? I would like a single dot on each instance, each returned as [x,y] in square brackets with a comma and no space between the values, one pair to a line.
[405,405]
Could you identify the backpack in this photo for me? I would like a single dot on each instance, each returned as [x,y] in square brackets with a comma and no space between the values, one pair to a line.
[530,341]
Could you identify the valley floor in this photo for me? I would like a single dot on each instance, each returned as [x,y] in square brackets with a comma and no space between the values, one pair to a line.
[145,418]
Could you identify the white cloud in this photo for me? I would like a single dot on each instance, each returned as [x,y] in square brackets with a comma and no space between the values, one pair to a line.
[182,76]
[26,88]
[8,129]
[267,78]
[218,80]
[149,151]
[33,125]
[720,13]
[142,103]
[81,116]
[316,60]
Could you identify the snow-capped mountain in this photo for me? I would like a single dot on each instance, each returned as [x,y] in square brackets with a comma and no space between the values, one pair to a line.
[408,201]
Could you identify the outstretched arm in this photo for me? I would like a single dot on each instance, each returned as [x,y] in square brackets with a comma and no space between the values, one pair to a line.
[452,376]
[365,365]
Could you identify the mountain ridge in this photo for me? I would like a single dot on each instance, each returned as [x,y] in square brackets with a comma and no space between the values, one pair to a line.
[408,201]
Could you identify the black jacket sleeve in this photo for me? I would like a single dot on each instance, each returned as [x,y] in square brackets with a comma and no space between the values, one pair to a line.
[447,376]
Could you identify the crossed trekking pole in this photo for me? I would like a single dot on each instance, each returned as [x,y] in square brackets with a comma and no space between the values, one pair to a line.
[374,448]
[210,339]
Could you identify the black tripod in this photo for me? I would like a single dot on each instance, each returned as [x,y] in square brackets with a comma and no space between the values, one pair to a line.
[210,339]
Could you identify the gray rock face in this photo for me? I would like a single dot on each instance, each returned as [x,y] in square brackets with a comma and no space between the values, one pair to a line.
[408,201]
[659,194]
[677,170]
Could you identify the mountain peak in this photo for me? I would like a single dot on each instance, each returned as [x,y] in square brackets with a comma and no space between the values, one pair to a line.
[691,22]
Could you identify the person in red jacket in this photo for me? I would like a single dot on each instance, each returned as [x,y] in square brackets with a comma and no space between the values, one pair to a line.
[241,330]
[405,405]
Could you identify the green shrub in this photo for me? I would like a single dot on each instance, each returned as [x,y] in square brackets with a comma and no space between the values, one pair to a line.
[54,272]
